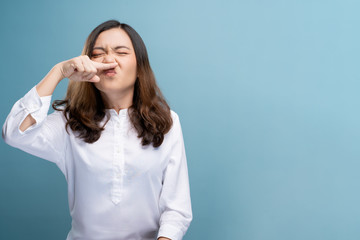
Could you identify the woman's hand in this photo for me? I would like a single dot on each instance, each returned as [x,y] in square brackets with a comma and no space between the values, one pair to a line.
[163,238]
[77,69]
[82,68]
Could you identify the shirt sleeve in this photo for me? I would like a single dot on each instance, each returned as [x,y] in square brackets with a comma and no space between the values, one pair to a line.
[44,139]
[175,202]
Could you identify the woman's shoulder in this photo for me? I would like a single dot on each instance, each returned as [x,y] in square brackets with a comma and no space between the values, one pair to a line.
[174,115]
[176,126]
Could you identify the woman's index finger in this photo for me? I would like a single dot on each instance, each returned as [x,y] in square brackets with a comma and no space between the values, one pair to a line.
[104,66]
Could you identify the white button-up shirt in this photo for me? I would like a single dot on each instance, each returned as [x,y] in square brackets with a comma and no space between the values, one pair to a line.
[117,188]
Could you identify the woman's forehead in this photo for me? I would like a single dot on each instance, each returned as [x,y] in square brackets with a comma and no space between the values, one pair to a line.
[112,38]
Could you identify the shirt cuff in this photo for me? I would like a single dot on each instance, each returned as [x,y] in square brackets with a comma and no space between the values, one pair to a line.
[169,231]
[35,105]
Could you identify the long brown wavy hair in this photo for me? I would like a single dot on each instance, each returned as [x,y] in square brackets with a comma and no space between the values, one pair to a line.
[84,108]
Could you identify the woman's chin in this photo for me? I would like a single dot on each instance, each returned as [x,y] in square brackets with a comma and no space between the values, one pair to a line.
[111,88]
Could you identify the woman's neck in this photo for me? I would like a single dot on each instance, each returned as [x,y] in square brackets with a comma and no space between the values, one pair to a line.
[117,101]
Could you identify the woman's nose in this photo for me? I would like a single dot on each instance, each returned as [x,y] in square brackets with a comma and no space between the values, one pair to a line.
[109,58]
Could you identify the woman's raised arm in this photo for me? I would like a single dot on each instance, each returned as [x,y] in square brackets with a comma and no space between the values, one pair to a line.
[76,69]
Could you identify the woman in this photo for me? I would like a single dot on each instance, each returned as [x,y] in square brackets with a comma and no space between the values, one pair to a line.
[114,138]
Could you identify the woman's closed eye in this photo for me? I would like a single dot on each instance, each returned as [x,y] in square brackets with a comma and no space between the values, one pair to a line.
[96,55]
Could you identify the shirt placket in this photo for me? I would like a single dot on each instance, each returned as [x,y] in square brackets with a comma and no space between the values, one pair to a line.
[118,162]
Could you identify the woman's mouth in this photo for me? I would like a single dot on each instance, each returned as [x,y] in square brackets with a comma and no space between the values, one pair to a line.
[110,72]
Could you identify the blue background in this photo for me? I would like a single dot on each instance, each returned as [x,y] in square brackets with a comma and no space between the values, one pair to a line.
[267,93]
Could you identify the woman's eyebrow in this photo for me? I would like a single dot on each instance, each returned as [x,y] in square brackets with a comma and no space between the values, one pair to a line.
[100,48]
[118,47]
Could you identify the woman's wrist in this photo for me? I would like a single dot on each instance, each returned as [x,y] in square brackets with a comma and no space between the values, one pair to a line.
[58,69]
[48,84]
